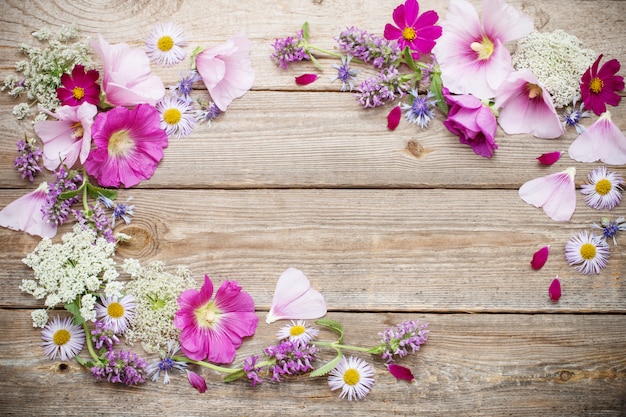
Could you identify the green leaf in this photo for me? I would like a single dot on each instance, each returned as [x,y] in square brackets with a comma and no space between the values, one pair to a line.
[305,31]
[69,194]
[234,376]
[94,191]
[436,87]
[74,308]
[333,325]
[327,367]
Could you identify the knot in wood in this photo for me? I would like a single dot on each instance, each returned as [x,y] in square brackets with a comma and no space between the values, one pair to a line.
[143,240]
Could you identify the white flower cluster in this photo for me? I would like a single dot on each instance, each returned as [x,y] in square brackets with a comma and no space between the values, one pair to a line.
[75,269]
[156,293]
[557,60]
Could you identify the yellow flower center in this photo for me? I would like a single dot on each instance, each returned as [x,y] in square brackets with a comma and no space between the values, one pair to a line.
[61,337]
[165,43]
[351,376]
[603,186]
[588,251]
[207,315]
[596,85]
[484,48]
[78,92]
[533,90]
[409,33]
[115,310]
[297,330]
[120,143]
[172,116]
[78,132]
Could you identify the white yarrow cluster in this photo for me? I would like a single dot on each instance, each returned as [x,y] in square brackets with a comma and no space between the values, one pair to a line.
[557,60]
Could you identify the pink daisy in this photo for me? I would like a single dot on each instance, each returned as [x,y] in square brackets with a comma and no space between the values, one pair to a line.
[80,87]
[415,31]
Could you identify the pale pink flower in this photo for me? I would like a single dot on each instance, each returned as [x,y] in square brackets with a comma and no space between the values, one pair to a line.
[67,139]
[555,193]
[25,214]
[127,80]
[602,141]
[526,107]
[295,299]
[471,53]
[226,70]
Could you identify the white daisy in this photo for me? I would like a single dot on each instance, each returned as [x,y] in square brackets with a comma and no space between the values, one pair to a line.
[165,44]
[298,332]
[177,117]
[604,190]
[62,338]
[118,315]
[588,251]
[354,376]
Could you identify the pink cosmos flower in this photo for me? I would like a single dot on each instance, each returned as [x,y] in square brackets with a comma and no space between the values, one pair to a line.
[526,107]
[549,158]
[295,299]
[129,146]
[415,31]
[473,122]
[25,214]
[226,70]
[393,118]
[602,141]
[540,257]
[68,138]
[80,87]
[555,290]
[127,79]
[599,88]
[306,79]
[555,193]
[213,329]
[471,53]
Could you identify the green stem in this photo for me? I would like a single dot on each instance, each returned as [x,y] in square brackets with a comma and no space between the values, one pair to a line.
[336,345]
[308,46]
[206,365]
[84,187]
[89,344]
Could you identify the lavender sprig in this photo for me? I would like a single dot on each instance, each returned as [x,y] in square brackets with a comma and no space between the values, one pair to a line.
[27,162]
[369,48]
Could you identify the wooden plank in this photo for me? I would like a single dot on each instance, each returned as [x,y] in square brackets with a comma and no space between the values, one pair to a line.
[480,364]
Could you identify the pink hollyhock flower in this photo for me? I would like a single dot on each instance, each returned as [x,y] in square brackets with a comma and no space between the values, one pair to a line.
[400,372]
[602,141]
[473,122]
[599,88]
[295,299]
[549,158]
[471,53]
[555,290]
[80,87]
[555,193]
[196,381]
[393,118]
[226,70]
[68,138]
[540,257]
[213,329]
[127,80]
[526,107]
[129,146]
[306,79]
[417,32]
[26,214]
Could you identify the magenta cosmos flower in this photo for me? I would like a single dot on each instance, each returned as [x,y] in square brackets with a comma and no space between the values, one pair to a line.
[602,141]
[213,329]
[555,193]
[471,53]
[599,87]
[417,32]
[80,87]
[127,79]
[26,214]
[129,145]
[226,70]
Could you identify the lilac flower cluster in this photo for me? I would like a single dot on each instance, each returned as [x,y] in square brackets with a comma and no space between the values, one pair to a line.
[96,218]
[251,370]
[122,367]
[378,90]
[27,162]
[289,49]
[369,48]
[103,336]
[291,359]
[55,209]
[397,341]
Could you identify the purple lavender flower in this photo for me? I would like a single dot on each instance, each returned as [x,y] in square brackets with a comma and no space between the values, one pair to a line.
[345,73]
[104,336]
[369,48]
[123,367]
[291,359]
[251,370]
[378,90]
[27,162]
[290,49]
[57,210]
[408,335]
[96,218]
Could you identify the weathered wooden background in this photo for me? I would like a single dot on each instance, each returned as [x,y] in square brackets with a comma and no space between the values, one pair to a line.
[304,177]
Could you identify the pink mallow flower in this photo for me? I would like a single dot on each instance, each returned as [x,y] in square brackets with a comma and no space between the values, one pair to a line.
[67,139]
[127,80]
[555,193]
[129,145]
[526,107]
[416,31]
[295,299]
[226,70]
[25,214]
[213,329]
[602,141]
[471,53]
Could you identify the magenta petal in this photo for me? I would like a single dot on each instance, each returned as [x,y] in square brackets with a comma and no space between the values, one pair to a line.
[306,79]
[540,257]
[393,118]
[196,381]
[400,372]
[555,290]
[549,158]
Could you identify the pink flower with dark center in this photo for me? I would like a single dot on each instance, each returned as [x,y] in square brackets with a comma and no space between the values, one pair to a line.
[602,141]
[599,87]
[471,52]
[213,329]
[555,193]
[416,31]
[25,214]
[80,87]
[129,145]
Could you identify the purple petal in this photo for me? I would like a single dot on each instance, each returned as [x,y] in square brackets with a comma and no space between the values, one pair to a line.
[400,372]
[540,257]
[549,158]
[555,290]
[393,118]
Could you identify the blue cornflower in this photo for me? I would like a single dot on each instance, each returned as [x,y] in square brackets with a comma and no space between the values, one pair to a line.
[208,112]
[572,117]
[166,363]
[184,87]
[345,73]
[610,227]
[420,108]
[122,211]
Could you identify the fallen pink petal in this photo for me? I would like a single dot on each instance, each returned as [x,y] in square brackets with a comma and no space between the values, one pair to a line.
[25,214]
[602,141]
[393,118]
[400,372]
[197,381]
[555,290]
[540,257]
[295,299]
[306,79]
[555,193]
[549,158]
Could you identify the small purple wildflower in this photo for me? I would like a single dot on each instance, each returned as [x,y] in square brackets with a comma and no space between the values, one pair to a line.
[251,370]
[397,341]
[104,336]
[55,209]
[207,112]
[290,49]
[420,108]
[27,162]
[96,218]
[378,90]
[122,367]
[572,117]
[610,228]
[345,73]
[183,89]
[122,211]
[166,363]
[369,48]
[291,359]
